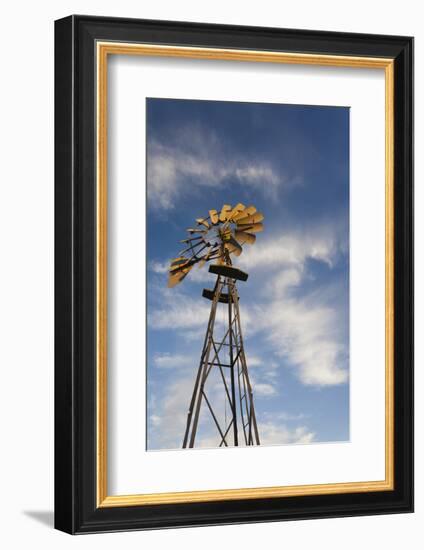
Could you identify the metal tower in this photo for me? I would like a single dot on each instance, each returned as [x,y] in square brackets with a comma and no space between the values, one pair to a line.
[227,400]
[225,354]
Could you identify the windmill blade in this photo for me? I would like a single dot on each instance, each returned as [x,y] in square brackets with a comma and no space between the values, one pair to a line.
[236,210]
[251,228]
[192,230]
[178,263]
[225,210]
[176,277]
[233,249]
[243,237]
[246,212]
[202,221]
[213,214]
[233,246]
[250,210]
[192,246]
[182,268]
[253,218]
[190,239]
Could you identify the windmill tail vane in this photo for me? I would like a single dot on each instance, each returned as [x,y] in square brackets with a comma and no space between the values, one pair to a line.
[222,397]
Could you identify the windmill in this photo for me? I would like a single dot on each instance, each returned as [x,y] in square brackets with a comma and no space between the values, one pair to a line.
[217,238]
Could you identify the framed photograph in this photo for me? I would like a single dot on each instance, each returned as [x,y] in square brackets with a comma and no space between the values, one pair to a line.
[234,274]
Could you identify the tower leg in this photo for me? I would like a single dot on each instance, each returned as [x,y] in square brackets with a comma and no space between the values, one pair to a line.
[247,409]
[232,365]
[196,399]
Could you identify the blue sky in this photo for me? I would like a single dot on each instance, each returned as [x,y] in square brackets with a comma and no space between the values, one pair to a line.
[292,163]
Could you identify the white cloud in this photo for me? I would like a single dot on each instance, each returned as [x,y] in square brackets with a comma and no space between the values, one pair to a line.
[261,374]
[170,415]
[167,423]
[269,434]
[287,279]
[282,416]
[178,311]
[171,360]
[277,434]
[203,160]
[292,249]
[307,336]
[158,267]
[254,361]
[259,176]
[302,330]
[263,389]
[201,275]
[155,420]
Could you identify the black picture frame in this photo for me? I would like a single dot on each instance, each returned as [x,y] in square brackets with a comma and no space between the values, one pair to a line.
[76,510]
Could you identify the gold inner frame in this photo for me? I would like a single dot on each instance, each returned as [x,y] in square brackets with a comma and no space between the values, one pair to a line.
[104,49]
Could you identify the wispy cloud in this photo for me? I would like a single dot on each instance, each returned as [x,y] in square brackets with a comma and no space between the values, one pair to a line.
[307,337]
[255,361]
[166,430]
[168,360]
[263,389]
[167,424]
[282,416]
[293,249]
[272,433]
[159,267]
[177,311]
[199,159]
[301,328]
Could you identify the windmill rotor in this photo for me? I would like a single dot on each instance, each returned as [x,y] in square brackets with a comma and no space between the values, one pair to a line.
[216,237]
